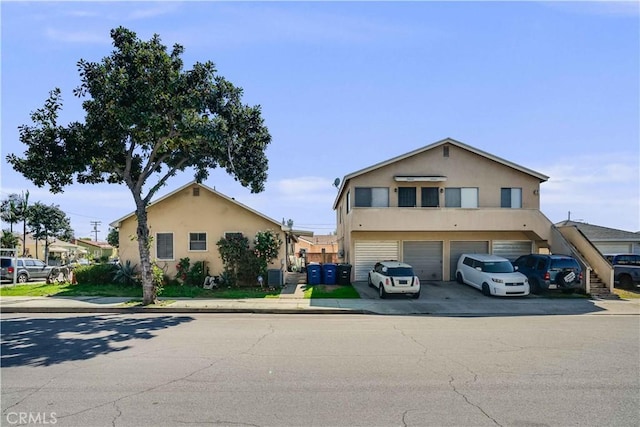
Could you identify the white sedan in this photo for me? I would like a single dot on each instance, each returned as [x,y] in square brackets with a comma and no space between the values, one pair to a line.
[393,277]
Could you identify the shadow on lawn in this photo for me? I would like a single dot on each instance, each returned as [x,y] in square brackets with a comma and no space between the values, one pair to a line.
[28,341]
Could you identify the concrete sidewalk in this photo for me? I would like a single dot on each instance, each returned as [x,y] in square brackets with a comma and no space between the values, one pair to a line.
[399,306]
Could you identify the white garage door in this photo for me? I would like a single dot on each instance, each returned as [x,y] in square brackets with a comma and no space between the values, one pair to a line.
[613,248]
[465,247]
[511,249]
[369,252]
[425,258]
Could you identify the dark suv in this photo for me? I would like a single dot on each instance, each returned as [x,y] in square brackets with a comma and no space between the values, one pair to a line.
[547,272]
[27,269]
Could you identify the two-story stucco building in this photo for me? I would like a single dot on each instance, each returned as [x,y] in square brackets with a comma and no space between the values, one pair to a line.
[429,206]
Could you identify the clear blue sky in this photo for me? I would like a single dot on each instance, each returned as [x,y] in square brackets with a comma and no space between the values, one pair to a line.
[553,87]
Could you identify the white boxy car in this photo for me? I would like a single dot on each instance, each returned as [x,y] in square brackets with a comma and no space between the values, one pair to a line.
[492,274]
[393,277]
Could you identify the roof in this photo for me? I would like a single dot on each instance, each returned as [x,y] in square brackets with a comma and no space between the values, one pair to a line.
[321,239]
[116,223]
[102,245]
[450,141]
[597,233]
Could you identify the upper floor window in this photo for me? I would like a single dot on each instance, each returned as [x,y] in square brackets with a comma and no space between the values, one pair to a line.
[511,198]
[407,197]
[164,245]
[461,197]
[197,241]
[430,197]
[348,201]
[372,197]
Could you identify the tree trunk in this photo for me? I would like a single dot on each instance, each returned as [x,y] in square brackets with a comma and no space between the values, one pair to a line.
[149,292]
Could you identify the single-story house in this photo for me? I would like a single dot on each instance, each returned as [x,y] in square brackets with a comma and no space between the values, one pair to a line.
[96,249]
[189,221]
[607,240]
[320,248]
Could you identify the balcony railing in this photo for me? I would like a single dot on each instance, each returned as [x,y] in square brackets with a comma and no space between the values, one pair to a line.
[449,219]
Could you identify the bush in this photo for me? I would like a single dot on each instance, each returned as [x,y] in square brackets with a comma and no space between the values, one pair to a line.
[98,274]
[126,274]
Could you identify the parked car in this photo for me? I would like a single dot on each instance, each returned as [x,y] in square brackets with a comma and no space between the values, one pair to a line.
[26,269]
[626,269]
[492,274]
[393,277]
[549,272]
[79,262]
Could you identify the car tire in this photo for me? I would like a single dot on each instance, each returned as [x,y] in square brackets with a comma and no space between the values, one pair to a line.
[459,278]
[369,282]
[626,282]
[416,295]
[23,278]
[381,292]
[486,291]
[535,287]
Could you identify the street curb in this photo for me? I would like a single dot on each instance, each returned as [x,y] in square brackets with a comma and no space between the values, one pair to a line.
[138,310]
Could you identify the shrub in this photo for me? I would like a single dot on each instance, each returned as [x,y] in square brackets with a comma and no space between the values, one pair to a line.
[158,278]
[126,274]
[97,274]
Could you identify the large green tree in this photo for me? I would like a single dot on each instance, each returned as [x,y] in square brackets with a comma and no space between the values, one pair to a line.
[146,119]
[46,222]
[15,208]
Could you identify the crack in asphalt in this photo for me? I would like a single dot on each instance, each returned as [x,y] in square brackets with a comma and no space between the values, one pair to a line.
[219,422]
[271,331]
[114,401]
[36,390]
[455,390]
[118,415]
[419,344]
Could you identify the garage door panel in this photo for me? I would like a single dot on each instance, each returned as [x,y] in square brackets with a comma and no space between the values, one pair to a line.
[613,248]
[511,249]
[460,247]
[367,253]
[425,257]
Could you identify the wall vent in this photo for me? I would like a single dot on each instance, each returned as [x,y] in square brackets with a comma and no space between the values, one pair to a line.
[196,191]
[445,151]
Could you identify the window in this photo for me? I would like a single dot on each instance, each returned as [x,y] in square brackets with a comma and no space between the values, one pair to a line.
[430,198]
[164,245]
[461,197]
[511,198]
[376,197]
[230,236]
[407,197]
[197,241]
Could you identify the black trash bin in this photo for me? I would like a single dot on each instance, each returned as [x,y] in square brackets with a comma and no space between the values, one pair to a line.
[344,274]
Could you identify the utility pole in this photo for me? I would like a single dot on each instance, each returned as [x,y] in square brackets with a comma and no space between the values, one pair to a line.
[95,228]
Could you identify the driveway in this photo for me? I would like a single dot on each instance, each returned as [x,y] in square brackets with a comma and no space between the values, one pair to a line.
[431,290]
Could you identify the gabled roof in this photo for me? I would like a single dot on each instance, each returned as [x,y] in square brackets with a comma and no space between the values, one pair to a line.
[596,233]
[450,141]
[116,223]
[101,245]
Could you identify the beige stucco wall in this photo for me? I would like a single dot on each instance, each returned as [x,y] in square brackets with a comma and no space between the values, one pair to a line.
[462,168]
[182,213]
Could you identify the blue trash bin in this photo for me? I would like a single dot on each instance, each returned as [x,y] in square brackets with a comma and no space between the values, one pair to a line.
[314,274]
[329,273]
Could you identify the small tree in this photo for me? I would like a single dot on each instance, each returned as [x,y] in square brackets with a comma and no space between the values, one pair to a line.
[15,208]
[46,222]
[9,241]
[113,238]
[146,120]
[232,250]
[266,248]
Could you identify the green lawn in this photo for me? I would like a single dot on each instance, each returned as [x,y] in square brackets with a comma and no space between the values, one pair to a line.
[627,293]
[113,290]
[330,291]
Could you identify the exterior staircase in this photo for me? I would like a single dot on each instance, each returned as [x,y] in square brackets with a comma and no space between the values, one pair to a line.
[599,289]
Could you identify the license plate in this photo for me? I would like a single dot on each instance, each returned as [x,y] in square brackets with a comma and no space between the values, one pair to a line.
[403,282]
[553,286]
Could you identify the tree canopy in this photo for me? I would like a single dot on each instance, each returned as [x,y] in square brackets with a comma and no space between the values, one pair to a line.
[146,119]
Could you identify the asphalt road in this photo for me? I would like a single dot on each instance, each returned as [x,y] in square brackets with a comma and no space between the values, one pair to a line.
[303,370]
